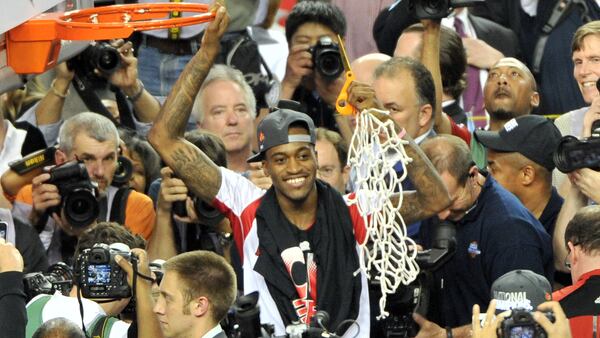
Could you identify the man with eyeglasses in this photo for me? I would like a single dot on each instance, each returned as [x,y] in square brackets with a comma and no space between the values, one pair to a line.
[581,301]
[332,155]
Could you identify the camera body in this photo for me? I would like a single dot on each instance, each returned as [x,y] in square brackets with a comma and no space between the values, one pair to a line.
[59,277]
[438,9]
[99,275]
[521,324]
[572,154]
[78,194]
[327,59]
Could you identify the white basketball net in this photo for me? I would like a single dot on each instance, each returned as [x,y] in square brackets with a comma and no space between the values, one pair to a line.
[374,151]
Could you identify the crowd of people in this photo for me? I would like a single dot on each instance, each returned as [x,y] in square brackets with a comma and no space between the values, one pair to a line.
[187,177]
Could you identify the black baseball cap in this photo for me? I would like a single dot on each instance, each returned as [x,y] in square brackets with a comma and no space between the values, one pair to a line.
[534,136]
[522,289]
[273,131]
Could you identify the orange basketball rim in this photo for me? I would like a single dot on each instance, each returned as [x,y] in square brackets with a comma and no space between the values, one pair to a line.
[33,46]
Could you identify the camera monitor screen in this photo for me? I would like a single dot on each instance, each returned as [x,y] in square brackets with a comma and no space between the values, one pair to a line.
[522,332]
[98,274]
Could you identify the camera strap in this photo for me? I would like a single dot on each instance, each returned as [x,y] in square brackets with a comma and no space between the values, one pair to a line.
[560,10]
[101,326]
[119,205]
[90,98]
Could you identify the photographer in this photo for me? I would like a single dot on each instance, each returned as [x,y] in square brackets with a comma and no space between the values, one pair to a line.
[178,231]
[12,297]
[99,312]
[48,115]
[495,234]
[306,25]
[196,292]
[92,139]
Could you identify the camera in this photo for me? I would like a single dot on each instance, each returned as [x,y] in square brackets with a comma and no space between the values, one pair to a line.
[59,277]
[77,192]
[572,153]
[416,296]
[438,9]
[123,172]
[247,322]
[35,160]
[99,276]
[521,324]
[327,59]
[207,214]
[100,55]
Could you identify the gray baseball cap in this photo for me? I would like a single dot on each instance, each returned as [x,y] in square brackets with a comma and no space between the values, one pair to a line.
[523,289]
[273,131]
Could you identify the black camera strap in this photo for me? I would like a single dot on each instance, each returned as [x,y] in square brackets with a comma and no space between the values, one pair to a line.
[90,98]
[560,11]
[119,205]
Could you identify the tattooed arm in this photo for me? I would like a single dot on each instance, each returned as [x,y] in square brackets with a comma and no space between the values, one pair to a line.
[431,195]
[189,163]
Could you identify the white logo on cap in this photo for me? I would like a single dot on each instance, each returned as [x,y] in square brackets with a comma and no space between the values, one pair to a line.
[512,300]
[597,300]
[510,125]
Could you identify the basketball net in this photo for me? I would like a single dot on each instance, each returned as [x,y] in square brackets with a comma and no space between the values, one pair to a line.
[374,151]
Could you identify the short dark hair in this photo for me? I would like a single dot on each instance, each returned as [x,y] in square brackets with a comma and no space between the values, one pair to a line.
[450,154]
[141,147]
[58,327]
[453,59]
[108,233]
[340,145]
[318,12]
[210,144]
[421,76]
[584,229]
[204,273]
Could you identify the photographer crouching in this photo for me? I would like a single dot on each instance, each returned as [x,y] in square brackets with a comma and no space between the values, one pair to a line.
[61,203]
[107,275]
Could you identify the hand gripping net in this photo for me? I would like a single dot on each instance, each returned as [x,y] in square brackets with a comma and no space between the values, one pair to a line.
[374,151]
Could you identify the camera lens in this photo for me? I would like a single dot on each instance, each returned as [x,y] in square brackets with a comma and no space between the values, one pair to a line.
[330,64]
[123,173]
[107,59]
[81,208]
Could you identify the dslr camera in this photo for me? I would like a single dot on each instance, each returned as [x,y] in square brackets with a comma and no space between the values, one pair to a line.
[573,153]
[207,214]
[99,55]
[58,277]
[99,276]
[438,9]
[521,324]
[78,193]
[327,59]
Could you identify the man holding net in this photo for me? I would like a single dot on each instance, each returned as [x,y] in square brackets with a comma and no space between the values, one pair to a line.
[298,240]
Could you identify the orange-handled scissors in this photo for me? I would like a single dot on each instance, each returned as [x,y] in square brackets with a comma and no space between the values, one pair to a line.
[345,108]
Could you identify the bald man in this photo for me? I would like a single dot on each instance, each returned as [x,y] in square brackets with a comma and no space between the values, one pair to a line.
[364,67]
